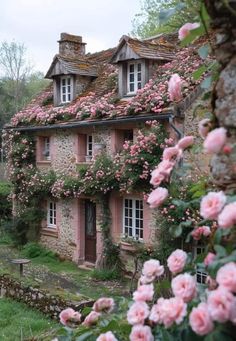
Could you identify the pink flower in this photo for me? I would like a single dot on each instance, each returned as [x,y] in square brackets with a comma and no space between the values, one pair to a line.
[215,140]
[172,310]
[68,315]
[209,258]
[155,314]
[137,313]
[177,260]
[226,276]
[185,142]
[200,320]
[174,87]
[212,204]
[171,153]
[232,315]
[157,197]
[144,293]
[220,303]
[104,304]
[186,28]
[108,336]
[162,172]
[184,286]
[91,319]
[152,269]
[157,177]
[204,127]
[141,333]
[200,231]
[227,217]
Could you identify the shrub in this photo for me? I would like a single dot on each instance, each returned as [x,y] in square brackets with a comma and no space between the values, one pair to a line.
[5,205]
[34,250]
[105,274]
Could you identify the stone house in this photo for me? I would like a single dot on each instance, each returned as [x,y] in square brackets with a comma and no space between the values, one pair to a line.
[97,102]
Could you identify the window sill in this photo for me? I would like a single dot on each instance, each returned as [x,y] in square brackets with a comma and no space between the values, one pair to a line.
[44,162]
[50,231]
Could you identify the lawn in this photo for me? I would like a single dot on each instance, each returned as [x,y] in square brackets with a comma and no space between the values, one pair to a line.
[18,323]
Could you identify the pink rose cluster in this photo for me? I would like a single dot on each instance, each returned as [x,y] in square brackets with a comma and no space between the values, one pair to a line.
[184,31]
[162,172]
[200,231]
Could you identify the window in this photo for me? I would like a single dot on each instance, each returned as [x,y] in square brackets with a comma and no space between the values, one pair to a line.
[133,218]
[66,89]
[201,276]
[51,214]
[89,145]
[134,77]
[46,148]
[128,135]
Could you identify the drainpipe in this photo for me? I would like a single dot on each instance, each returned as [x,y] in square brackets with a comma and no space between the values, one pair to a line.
[179,133]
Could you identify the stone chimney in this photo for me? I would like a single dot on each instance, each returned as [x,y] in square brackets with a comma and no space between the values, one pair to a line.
[71,45]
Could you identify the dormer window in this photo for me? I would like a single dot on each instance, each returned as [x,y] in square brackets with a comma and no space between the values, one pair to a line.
[134,77]
[66,89]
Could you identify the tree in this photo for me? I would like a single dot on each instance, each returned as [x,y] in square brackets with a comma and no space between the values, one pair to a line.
[149,22]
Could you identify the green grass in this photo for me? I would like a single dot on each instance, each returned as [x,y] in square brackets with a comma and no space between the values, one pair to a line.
[18,323]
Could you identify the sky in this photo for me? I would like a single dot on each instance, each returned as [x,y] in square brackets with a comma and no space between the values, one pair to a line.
[38,24]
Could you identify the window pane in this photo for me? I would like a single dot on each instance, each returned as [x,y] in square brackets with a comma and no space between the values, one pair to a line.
[63,81]
[68,81]
[139,77]
[139,85]
[131,68]
[131,87]
[139,67]
[131,77]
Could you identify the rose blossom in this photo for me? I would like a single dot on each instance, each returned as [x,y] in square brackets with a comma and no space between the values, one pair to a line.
[212,204]
[157,197]
[171,152]
[174,87]
[172,310]
[200,320]
[177,260]
[156,177]
[204,127]
[144,293]
[137,313]
[201,231]
[108,336]
[104,304]
[211,283]
[162,172]
[215,140]
[141,333]
[227,218]
[184,286]
[155,314]
[220,303]
[185,142]
[186,28]
[91,318]
[209,258]
[232,315]
[226,276]
[68,315]
[152,269]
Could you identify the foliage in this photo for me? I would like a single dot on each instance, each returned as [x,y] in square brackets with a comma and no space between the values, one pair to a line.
[35,250]
[105,274]
[5,204]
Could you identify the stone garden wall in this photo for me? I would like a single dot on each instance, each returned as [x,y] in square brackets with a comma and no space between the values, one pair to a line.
[38,299]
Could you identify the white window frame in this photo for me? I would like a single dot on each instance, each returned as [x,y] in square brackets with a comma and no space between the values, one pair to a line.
[89,145]
[136,74]
[46,148]
[200,275]
[66,90]
[51,214]
[135,218]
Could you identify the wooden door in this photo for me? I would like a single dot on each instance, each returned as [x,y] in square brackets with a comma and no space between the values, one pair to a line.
[90,231]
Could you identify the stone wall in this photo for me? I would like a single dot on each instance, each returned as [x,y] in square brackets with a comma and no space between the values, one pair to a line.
[50,305]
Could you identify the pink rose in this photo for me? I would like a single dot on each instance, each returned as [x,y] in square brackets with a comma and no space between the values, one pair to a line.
[156,177]
[226,276]
[91,319]
[162,172]
[177,260]
[108,336]
[174,87]
[200,320]
[186,28]
[69,315]
[141,333]
[215,140]
[104,304]
[227,218]
[185,142]
[200,231]
[204,127]
[212,204]
[172,310]
[144,293]
[155,314]
[171,153]
[152,269]
[157,197]
[184,286]
[232,315]
[220,303]
[138,313]
[210,257]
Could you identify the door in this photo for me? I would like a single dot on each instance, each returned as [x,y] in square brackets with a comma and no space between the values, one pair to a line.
[90,231]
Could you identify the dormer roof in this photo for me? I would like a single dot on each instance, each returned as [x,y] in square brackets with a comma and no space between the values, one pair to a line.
[131,48]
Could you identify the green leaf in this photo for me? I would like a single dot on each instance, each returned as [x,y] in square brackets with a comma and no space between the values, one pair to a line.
[220,250]
[178,231]
[85,336]
[206,83]
[86,311]
[165,15]
[231,198]
[197,32]
[199,72]
[204,51]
